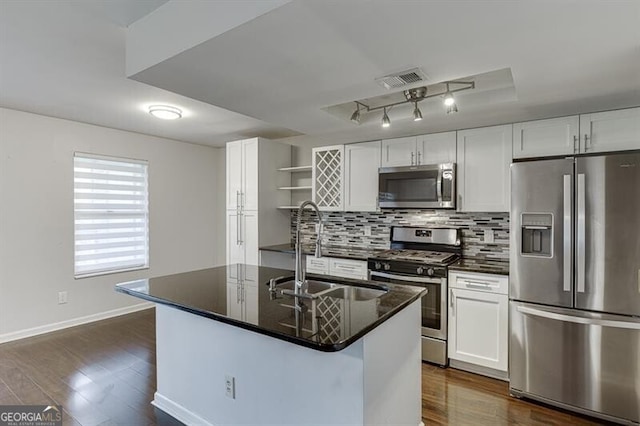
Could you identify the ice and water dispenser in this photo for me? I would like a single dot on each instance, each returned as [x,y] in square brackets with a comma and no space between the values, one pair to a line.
[537,234]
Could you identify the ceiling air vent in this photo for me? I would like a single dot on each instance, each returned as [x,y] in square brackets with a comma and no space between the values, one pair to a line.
[402,78]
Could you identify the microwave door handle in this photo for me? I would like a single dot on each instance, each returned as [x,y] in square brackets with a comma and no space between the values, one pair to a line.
[439,187]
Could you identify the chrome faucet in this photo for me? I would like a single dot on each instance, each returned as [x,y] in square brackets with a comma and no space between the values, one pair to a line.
[299,275]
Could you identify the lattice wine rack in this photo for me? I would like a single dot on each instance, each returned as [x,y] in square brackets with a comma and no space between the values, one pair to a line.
[328,166]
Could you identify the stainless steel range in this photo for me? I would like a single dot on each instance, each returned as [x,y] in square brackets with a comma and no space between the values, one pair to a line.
[420,256]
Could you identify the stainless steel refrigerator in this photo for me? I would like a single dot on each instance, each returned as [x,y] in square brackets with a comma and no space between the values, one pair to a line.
[575,284]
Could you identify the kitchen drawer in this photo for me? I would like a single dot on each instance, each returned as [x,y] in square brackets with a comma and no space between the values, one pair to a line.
[498,284]
[318,265]
[348,268]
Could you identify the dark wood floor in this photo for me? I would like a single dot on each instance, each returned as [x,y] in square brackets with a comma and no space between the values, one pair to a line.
[104,374]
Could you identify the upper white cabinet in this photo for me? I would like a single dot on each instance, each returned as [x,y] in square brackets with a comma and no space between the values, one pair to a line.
[437,148]
[416,150]
[242,174]
[252,197]
[597,132]
[484,157]
[327,171]
[361,163]
[557,136]
[610,130]
[400,152]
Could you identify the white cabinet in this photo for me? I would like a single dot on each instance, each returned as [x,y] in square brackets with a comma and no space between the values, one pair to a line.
[361,163]
[252,198]
[346,268]
[597,132]
[556,136]
[610,130]
[478,322]
[484,157]
[399,152]
[242,301]
[328,177]
[437,148]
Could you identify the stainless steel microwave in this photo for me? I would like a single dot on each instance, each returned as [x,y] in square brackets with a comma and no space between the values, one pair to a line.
[418,187]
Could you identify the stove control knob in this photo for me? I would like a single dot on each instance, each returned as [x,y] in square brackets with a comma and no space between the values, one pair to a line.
[430,272]
[387,266]
[378,265]
[419,271]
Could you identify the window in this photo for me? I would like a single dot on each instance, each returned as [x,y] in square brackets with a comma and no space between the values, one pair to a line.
[111,212]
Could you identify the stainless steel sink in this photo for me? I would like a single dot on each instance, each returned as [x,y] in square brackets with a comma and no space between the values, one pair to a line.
[316,288]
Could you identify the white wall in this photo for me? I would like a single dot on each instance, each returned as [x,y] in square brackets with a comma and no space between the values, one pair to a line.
[187,230]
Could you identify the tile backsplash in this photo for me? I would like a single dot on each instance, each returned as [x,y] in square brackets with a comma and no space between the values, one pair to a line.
[349,228]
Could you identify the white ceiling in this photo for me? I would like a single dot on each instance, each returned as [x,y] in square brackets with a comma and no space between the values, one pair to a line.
[282,70]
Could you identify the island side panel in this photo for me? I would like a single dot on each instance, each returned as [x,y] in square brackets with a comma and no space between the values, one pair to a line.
[277,382]
[393,375]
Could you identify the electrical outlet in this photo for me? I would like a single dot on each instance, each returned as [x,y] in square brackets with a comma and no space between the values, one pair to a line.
[62,297]
[489,236]
[230,386]
[367,230]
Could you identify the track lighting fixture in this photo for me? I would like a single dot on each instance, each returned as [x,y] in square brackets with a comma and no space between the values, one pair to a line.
[417,114]
[416,95]
[385,119]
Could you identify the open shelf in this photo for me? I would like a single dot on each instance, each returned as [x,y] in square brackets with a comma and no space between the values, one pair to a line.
[295,188]
[295,169]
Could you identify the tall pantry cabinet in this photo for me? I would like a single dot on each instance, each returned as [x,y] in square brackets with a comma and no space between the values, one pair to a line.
[252,198]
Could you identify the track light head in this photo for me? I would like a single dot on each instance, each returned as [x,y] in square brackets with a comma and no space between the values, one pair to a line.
[386,122]
[355,117]
[417,114]
[452,108]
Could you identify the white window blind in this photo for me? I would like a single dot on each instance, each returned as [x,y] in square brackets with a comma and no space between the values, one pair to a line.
[111,211]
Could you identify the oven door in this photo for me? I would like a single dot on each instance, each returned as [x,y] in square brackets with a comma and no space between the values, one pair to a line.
[434,303]
[431,186]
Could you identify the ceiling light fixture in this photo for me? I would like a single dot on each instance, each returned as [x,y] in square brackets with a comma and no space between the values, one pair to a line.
[355,117]
[165,112]
[417,114]
[416,95]
[385,119]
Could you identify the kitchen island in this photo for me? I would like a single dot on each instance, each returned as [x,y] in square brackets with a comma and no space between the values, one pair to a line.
[232,351]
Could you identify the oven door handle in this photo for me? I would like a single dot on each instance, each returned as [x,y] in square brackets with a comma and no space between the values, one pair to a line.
[405,278]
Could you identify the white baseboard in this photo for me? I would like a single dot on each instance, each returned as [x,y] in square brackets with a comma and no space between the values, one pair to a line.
[177,411]
[478,369]
[30,332]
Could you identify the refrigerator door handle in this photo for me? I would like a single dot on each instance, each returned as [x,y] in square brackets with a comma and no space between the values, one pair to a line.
[579,319]
[566,240]
[581,234]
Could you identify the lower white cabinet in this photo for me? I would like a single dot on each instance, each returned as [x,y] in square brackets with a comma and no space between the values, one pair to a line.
[478,321]
[345,268]
[242,237]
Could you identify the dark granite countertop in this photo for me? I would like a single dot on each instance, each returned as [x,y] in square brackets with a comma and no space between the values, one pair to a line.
[475,264]
[329,251]
[239,295]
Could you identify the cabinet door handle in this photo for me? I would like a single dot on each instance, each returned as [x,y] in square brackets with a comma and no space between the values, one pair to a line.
[238,221]
[418,162]
[238,201]
[575,144]
[412,155]
[451,304]
[586,143]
